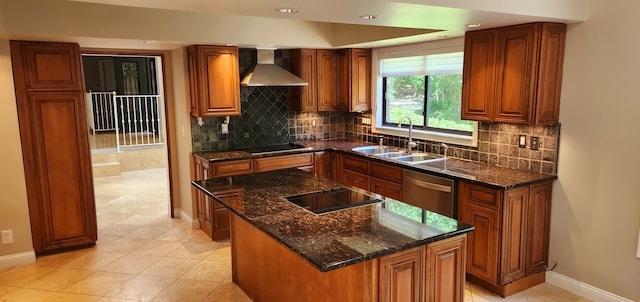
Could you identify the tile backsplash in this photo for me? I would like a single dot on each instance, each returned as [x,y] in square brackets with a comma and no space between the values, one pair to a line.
[497,144]
[266,120]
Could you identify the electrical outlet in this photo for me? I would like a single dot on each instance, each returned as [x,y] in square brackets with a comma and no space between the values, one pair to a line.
[313,123]
[246,135]
[522,141]
[535,143]
[225,128]
[7,236]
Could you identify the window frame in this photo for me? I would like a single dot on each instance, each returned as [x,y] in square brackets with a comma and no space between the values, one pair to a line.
[425,48]
[425,100]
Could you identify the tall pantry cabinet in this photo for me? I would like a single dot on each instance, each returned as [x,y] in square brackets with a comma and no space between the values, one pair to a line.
[55,147]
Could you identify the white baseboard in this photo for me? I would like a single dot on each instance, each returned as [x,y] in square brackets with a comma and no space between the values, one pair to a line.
[189,220]
[17,259]
[583,289]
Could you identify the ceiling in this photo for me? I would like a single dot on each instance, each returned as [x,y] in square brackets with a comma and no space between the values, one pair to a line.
[395,22]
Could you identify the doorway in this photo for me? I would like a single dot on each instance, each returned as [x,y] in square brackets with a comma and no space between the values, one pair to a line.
[128,138]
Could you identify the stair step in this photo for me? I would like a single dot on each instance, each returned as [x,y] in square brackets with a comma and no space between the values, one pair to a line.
[111,168]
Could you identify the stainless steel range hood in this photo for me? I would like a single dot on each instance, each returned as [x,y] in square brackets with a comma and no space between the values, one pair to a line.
[266,73]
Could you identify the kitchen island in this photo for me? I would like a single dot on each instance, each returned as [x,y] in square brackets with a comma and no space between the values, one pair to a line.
[366,252]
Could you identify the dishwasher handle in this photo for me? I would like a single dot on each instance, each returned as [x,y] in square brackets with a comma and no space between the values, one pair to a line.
[427,185]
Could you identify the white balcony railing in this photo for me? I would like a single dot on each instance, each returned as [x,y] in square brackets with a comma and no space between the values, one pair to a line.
[137,119]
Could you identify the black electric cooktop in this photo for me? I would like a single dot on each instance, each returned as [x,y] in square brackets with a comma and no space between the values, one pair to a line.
[320,202]
[256,150]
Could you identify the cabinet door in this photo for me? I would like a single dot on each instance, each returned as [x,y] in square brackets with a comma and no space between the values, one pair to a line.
[55,146]
[304,64]
[514,239]
[445,268]
[516,71]
[217,80]
[221,227]
[322,164]
[207,221]
[354,80]
[538,225]
[402,276]
[360,80]
[386,188]
[552,42]
[199,195]
[355,179]
[482,243]
[327,79]
[478,84]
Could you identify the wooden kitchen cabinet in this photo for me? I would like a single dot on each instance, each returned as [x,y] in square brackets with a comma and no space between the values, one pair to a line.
[514,74]
[55,146]
[354,80]
[355,171]
[402,276]
[508,250]
[445,270]
[214,80]
[386,180]
[283,162]
[325,164]
[319,68]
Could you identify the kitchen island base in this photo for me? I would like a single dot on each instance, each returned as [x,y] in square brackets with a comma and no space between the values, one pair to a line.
[268,271]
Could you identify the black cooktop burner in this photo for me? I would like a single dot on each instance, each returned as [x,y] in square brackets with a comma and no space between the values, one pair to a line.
[272,148]
[320,202]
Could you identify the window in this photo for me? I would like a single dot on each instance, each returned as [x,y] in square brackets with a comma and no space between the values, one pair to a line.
[427,89]
[424,82]
[419,215]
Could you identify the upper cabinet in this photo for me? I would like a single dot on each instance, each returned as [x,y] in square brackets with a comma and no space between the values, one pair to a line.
[354,80]
[338,80]
[514,74]
[214,80]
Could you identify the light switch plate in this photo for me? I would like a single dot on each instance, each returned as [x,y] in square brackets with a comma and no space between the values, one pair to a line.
[225,128]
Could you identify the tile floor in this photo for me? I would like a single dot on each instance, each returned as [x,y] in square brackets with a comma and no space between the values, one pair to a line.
[142,255]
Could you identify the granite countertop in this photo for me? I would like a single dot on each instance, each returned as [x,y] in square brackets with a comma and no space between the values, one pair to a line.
[458,169]
[331,240]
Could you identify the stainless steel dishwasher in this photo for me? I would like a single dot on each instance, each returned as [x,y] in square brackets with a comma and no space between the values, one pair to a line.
[432,193]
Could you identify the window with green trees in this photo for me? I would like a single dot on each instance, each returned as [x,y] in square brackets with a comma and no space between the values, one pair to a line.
[428,89]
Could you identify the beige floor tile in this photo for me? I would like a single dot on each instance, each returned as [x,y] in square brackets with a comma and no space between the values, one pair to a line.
[112,299]
[179,234]
[227,292]
[547,292]
[194,250]
[123,245]
[139,220]
[141,288]
[186,291]
[130,264]
[93,260]
[22,274]
[98,283]
[26,295]
[209,271]
[201,238]
[118,230]
[170,267]
[159,248]
[5,289]
[58,280]
[58,260]
[66,297]
[222,253]
[149,232]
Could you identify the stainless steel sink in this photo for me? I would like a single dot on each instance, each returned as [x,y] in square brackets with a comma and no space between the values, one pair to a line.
[391,154]
[418,158]
[374,149]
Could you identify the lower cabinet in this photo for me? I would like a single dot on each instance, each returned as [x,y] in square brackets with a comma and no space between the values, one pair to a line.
[433,274]
[508,251]
[372,176]
[212,216]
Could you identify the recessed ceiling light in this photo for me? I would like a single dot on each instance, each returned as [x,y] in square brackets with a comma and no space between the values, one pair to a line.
[368,17]
[150,42]
[284,10]
[474,25]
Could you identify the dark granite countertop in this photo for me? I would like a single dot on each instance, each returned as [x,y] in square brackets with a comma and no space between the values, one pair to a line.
[474,172]
[331,240]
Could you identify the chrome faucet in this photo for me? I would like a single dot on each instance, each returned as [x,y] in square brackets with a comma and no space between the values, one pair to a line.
[446,148]
[411,144]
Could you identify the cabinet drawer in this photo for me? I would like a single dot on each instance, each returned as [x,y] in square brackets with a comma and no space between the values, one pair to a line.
[386,188]
[355,164]
[386,171]
[355,179]
[481,195]
[283,162]
[229,168]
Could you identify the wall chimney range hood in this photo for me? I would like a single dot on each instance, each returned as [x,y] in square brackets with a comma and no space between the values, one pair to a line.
[267,73]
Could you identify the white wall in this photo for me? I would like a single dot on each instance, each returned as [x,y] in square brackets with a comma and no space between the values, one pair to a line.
[596,200]
[14,212]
